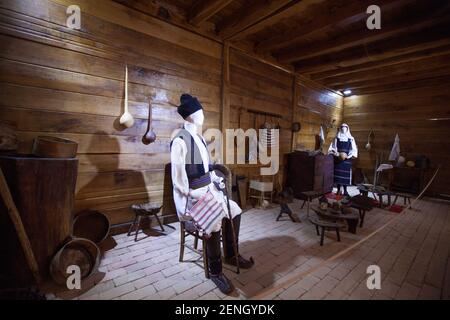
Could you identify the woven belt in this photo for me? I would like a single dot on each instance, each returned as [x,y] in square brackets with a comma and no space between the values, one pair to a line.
[200,182]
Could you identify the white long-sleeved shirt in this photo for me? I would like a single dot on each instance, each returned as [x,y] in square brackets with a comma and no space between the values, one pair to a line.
[180,180]
[353,152]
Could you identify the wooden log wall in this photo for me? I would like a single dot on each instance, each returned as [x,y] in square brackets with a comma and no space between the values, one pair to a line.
[259,87]
[70,84]
[316,106]
[421,117]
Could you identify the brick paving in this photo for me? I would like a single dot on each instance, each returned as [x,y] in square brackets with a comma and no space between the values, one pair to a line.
[412,252]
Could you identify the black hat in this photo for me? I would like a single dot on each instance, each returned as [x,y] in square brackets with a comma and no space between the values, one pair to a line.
[188,106]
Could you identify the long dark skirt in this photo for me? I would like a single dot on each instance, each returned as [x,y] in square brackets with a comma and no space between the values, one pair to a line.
[343,172]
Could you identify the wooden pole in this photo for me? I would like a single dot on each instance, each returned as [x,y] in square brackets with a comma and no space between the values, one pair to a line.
[294,108]
[20,229]
[225,114]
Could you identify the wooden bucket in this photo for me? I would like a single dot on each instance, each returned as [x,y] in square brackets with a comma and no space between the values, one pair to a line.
[80,252]
[92,225]
[53,147]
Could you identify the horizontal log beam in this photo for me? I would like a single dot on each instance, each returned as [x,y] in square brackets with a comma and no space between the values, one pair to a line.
[436,36]
[295,8]
[363,36]
[409,76]
[169,13]
[404,86]
[410,57]
[248,16]
[204,9]
[401,69]
[321,16]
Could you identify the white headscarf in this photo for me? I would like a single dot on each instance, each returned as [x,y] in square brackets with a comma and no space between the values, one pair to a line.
[344,136]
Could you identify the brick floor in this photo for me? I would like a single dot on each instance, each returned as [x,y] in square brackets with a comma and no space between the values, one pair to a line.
[412,252]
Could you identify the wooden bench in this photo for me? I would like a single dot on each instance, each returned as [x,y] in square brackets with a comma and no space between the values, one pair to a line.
[325,225]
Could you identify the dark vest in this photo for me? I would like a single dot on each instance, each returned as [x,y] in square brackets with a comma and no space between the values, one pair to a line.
[195,170]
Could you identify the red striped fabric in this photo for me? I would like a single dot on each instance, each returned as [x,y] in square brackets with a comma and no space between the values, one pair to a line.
[206,213]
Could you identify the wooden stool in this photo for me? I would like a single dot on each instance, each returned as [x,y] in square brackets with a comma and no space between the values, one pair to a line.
[284,208]
[145,210]
[362,204]
[307,197]
[323,225]
[406,197]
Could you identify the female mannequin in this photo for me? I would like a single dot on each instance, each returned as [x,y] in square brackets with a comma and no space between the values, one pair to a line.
[344,148]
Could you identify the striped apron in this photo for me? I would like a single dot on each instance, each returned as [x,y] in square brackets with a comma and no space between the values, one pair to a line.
[343,168]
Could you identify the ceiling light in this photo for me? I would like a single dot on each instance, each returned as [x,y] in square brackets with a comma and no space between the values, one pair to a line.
[347,92]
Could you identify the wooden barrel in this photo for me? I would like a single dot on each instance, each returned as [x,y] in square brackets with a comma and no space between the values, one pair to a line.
[77,252]
[43,191]
[92,225]
[53,147]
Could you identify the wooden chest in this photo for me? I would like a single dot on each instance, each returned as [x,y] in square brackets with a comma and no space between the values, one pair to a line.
[309,173]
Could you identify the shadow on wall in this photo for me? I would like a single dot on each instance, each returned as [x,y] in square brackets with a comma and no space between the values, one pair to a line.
[109,189]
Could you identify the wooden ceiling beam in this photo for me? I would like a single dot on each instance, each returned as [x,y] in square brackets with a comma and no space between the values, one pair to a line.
[170,14]
[250,15]
[418,55]
[436,36]
[322,16]
[429,82]
[404,69]
[204,9]
[362,36]
[393,79]
[293,8]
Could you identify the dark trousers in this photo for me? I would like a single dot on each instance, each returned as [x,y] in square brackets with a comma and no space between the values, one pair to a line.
[213,244]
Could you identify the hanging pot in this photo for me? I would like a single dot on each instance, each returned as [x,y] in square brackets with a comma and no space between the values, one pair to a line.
[368,145]
[296,127]
[126,119]
[149,136]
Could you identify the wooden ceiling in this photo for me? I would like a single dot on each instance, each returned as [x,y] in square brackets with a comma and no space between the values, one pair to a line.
[326,40]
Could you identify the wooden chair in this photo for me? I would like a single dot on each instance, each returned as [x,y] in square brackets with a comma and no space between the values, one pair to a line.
[187,228]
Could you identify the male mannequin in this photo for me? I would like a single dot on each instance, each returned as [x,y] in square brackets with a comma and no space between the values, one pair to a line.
[344,148]
[192,177]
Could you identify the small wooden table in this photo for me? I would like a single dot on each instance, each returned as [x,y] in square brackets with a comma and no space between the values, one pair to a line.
[324,225]
[332,215]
